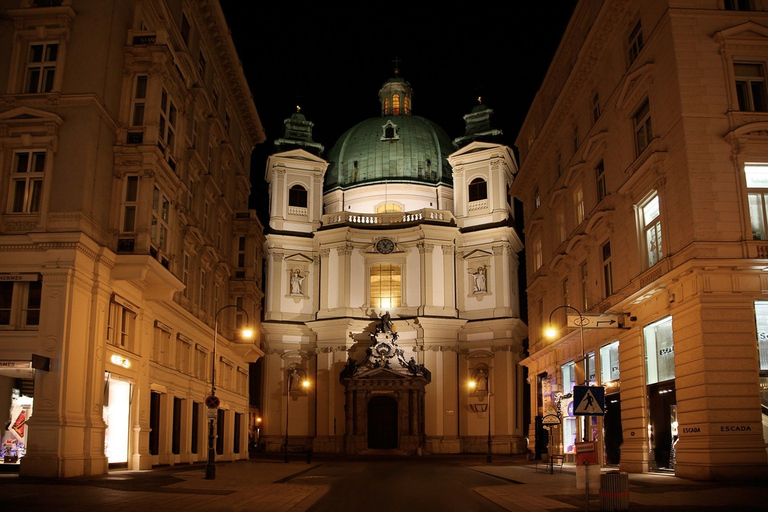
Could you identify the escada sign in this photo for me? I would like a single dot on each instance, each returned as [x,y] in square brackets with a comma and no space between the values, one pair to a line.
[735,428]
[691,430]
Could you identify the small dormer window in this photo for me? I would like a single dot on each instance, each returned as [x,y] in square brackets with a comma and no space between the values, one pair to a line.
[389,131]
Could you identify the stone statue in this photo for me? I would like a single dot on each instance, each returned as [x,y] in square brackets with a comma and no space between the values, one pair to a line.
[480,280]
[296,280]
[386,322]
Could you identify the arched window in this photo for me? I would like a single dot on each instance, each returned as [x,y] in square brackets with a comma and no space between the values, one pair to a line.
[297,196]
[386,106]
[389,207]
[395,104]
[386,290]
[478,190]
[407,105]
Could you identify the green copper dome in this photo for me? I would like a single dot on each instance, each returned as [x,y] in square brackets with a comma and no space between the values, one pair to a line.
[396,147]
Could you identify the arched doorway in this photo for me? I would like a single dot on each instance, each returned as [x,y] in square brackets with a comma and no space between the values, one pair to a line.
[382,423]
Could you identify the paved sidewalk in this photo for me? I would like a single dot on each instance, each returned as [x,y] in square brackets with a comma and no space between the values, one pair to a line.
[539,491]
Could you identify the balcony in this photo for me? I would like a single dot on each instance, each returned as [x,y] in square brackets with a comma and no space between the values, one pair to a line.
[391,219]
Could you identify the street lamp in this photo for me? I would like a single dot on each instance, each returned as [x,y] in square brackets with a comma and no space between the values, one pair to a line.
[294,373]
[550,332]
[212,401]
[483,374]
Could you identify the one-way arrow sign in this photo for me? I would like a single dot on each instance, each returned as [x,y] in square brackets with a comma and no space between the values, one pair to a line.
[594,321]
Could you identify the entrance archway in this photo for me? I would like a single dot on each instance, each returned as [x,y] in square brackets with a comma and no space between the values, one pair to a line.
[382,423]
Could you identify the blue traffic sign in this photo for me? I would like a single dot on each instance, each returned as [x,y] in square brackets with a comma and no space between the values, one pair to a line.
[589,401]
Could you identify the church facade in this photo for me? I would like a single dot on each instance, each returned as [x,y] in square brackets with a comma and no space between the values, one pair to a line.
[391,288]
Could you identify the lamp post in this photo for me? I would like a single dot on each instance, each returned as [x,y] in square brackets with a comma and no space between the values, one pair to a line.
[551,332]
[484,407]
[292,374]
[212,401]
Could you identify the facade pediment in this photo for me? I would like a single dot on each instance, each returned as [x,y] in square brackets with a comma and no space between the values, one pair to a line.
[744,31]
[380,374]
[298,257]
[634,84]
[24,115]
[477,254]
[300,154]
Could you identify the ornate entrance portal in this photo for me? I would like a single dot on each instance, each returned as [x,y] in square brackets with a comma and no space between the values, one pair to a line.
[384,397]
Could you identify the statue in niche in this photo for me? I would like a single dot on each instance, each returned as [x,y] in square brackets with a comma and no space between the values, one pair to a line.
[296,280]
[481,283]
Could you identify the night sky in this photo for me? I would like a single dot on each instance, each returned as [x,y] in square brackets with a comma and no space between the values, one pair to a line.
[332,62]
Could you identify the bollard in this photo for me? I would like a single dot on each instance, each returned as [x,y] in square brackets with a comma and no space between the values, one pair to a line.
[614,492]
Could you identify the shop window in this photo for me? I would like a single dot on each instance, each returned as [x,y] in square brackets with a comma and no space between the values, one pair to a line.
[750,86]
[385,283]
[636,42]
[130,204]
[650,219]
[641,123]
[569,420]
[236,434]
[478,190]
[659,351]
[41,67]
[117,407]
[176,426]
[20,303]
[121,325]
[609,362]
[607,269]
[761,320]
[297,196]
[154,423]
[26,190]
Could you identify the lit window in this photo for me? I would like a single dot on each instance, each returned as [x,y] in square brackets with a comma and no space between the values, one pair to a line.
[297,196]
[395,104]
[407,105]
[609,362]
[386,106]
[41,67]
[757,183]
[750,86]
[650,214]
[578,202]
[536,199]
[642,126]
[478,190]
[386,291]
[160,211]
[27,181]
[602,189]
[607,269]
[568,372]
[537,255]
[20,303]
[389,208]
[636,42]
[659,351]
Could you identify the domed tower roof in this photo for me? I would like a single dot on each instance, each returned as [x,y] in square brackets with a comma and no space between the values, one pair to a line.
[396,147]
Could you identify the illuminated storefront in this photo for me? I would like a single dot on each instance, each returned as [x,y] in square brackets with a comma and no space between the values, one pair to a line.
[16,403]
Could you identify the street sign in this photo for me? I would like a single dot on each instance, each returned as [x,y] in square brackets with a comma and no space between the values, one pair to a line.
[550,419]
[212,402]
[594,321]
[589,401]
[211,414]
[586,453]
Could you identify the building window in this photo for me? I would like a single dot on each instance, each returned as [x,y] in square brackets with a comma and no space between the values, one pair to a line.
[559,164]
[395,104]
[407,105]
[602,190]
[201,363]
[757,185]
[183,355]
[560,220]
[121,325]
[650,217]
[201,295]
[738,5]
[636,42]
[568,373]
[478,190]
[185,274]
[167,136]
[386,290]
[20,303]
[536,199]
[41,67]
[139,100]
[538,259]
[201,64]
[130,198]
[160,212]
[297,196]
[609,362]
[641,122]
[659,351]
[596,107]
[761,319]
[750,86]
[185,29]
[575,139]
[607,269]
[389,208]
[241,252]
[585,286]
[578,201]
[27,181]
[227,120]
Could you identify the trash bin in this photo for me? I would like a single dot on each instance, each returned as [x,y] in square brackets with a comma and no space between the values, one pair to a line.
[614,491]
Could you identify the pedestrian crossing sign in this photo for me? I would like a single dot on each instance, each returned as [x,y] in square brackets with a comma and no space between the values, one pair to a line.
[589,401]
